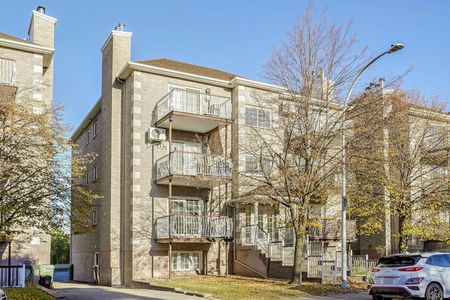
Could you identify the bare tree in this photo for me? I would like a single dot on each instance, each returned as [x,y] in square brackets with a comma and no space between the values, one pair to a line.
[295,145]
[402,165]
[35,162]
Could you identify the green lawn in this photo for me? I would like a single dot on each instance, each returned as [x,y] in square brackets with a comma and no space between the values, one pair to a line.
[242,288]
[29,293]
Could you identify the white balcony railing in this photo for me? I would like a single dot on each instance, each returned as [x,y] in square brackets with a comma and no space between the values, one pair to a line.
[191,101]
[192,163]
[189,226]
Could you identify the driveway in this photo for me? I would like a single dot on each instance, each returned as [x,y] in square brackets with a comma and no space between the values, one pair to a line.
[80,291]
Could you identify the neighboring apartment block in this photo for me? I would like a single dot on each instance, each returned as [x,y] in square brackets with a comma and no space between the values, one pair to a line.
[424,161]
[167,136]
[26,71]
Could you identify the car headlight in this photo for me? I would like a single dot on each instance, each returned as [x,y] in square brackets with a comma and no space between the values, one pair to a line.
[415,280]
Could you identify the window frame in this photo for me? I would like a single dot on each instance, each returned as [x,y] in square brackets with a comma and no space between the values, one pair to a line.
[180,266]
[95,173]
[87,138]
[13,71]
[94,217]
[94,129]
[267,112]
[86,177]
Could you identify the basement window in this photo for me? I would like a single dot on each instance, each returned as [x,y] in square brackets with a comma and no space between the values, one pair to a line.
[186,261]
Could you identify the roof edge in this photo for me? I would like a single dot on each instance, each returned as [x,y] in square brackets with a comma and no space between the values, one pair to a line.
[95,109]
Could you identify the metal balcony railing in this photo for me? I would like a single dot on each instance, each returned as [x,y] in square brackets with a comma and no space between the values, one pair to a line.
[191,101]
[190,226]
[193,164]
[331,230]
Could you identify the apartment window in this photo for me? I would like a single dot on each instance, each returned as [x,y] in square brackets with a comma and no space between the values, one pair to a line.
[95,173]
[187,207]
[94,129]
[86,177]
[96,259]
[255,164]
[258,117]
[88,138]
[7,71]
[186,261]
[94,217]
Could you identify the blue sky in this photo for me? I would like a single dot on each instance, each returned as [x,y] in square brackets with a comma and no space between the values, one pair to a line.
[235,36]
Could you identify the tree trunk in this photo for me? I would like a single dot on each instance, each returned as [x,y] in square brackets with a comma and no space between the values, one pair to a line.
[403,239]
[298,255]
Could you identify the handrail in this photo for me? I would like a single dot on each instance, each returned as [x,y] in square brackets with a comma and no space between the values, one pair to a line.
[193,226]
[193,163]
[195,102]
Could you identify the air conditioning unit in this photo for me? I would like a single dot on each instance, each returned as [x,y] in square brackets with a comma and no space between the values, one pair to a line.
[156,134]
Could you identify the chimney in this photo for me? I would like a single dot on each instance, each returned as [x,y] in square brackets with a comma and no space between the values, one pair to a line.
[42,28]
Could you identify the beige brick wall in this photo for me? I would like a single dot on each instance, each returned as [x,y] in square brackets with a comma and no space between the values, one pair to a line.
[34,80]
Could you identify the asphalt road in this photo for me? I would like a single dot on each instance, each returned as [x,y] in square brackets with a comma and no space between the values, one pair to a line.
[79,291]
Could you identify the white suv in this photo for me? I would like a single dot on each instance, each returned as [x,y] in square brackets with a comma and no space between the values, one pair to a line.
[419,275]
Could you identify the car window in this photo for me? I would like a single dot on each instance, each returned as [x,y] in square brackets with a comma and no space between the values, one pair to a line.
[398,261]
[438,260]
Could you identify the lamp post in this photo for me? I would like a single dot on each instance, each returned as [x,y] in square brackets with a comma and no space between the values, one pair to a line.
[394,48]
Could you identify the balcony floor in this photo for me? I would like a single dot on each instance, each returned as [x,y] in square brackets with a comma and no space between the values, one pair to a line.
[198,181]
[184,240]
[191,122]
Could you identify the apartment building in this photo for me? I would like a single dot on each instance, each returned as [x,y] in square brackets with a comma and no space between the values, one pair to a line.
[167,136]
[426,161]
[26,74]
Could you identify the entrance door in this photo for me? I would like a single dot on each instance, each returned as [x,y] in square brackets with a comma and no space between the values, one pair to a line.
[187,157]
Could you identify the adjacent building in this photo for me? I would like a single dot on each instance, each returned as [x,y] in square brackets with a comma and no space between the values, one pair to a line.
[26,74]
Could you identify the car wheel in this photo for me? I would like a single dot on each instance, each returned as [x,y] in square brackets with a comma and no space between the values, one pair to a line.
[434,292]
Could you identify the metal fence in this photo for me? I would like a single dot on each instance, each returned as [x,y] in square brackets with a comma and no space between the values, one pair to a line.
[190,226]
[12,276]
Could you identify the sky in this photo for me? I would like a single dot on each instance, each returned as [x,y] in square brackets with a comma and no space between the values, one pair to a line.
[234,36]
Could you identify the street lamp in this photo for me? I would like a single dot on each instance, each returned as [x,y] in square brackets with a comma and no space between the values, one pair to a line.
[394,48]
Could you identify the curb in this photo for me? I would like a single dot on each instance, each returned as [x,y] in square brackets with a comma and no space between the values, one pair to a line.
[152,286]
[52,293]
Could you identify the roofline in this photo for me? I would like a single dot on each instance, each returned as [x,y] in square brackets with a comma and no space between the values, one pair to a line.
[26,46]
[95,109]
[131,66]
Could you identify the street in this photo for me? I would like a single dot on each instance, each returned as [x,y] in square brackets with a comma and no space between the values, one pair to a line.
[80,291]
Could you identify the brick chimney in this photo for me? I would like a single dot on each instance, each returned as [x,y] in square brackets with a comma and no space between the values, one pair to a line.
[42,28]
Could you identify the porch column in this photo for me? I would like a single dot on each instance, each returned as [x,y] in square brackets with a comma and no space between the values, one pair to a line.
[205,262]
[255,221]
[170,260]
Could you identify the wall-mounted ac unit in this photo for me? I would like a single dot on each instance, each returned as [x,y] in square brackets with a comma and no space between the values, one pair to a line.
[156,134]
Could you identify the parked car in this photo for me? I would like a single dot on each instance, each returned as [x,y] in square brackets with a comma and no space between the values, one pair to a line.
[3,295]
[417,275]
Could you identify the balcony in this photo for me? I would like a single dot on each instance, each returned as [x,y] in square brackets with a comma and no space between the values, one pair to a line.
[189,228]
[331,230]
[192,169]
[192,111]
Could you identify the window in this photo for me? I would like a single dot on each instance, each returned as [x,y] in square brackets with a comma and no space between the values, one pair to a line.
[95,173]
[186,261]
[94,129]
[96,259]
[94,217]
[86,177]
[438,260]
[187,207]
[87,138]
[7,71]
[254,164]
[258,117]
[398,261]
